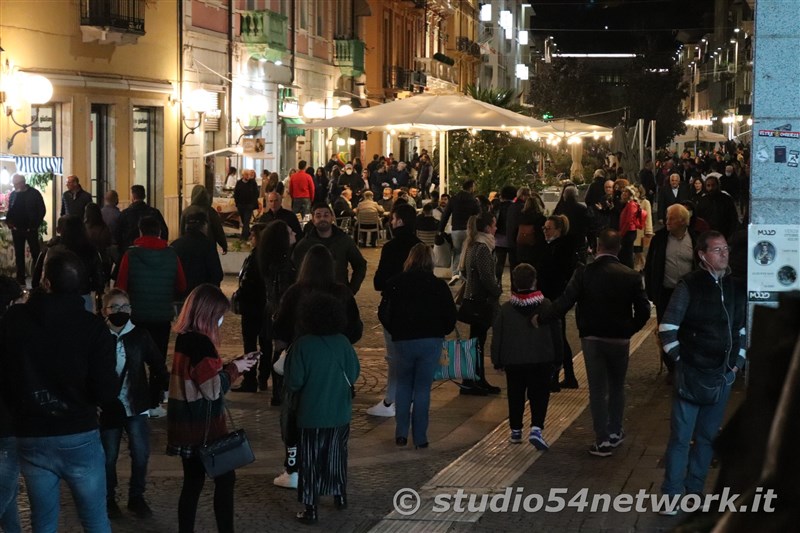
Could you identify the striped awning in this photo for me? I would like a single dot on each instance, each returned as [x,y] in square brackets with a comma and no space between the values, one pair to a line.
[35,164]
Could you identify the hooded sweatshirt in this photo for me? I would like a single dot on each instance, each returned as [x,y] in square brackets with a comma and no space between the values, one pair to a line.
[515,341]
[201,202]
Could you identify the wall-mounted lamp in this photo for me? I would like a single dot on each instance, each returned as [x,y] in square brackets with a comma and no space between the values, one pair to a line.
[23,88]
[200,102]
[351,141]
[248,130]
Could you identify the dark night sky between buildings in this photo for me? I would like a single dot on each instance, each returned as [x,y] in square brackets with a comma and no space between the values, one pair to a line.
[634,26]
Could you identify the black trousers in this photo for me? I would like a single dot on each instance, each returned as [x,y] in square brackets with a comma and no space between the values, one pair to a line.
[500,265]
[479,332]
[160,333]
[256,335]
[20,237]
[569,370]
[625,254]
[246,213]
[194,477]
[531,381]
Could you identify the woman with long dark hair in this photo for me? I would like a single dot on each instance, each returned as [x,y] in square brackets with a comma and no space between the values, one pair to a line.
[482,289]
[278,273]
[320,371]
[196,411]
[417,310]
[316,273]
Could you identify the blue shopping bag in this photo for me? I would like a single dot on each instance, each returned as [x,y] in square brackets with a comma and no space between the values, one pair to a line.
[458,360]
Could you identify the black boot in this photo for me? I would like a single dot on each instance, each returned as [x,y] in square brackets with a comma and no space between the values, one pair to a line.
[340,502]
[309,516]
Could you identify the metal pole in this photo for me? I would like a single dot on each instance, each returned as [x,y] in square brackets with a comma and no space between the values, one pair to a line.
[653,140]
[640,127]
[442,162]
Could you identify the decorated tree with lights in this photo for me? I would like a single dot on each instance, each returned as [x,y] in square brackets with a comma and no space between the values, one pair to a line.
[492,158]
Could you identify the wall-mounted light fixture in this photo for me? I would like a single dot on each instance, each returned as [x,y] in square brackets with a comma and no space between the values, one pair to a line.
[196,105]
[24,89]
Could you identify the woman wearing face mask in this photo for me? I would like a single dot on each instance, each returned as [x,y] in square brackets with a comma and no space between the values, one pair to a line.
[557,259]
[198,384]
[143,375]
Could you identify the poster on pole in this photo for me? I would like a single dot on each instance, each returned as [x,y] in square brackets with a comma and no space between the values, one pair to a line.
[773,261]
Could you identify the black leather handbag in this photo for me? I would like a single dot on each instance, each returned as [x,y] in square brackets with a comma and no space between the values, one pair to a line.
[226,453]
[475,313]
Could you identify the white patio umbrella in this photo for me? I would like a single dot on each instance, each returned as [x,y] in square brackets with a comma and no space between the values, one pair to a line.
[433,113]
[576,151]
[572,128]
[697,135]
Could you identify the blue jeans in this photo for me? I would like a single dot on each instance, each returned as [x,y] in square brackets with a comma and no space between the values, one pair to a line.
[78,459]
[606,367]
[138,431]
[458,236]
[9,485]
[391,377]
[415,364]
[686,469]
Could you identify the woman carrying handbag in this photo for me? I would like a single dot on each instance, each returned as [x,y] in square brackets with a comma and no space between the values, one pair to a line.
[196,414]
[481,293]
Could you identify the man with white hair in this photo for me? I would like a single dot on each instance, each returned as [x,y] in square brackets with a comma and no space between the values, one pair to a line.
[675,192]
[26,212]
[669,258]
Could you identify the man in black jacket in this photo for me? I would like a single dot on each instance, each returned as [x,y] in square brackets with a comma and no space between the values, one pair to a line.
[461,206]
[276,212]
[674,192]
[393,255]
[56,369]
[611,307]
[142,376]
[704,333]
[128,222]
[245,195]
[75,199]
[26,212]
[671,256]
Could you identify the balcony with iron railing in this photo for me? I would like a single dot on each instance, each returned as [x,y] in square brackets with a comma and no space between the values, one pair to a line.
[348,55]
[404,79]
[467,46]
[436,69]
[125,16]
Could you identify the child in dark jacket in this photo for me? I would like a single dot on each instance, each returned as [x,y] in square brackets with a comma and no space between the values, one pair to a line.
[526,353]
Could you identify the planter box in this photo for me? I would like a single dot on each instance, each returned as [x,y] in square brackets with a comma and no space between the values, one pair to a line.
[232,261]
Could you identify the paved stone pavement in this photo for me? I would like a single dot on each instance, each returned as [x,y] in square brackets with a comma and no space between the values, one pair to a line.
[378,469]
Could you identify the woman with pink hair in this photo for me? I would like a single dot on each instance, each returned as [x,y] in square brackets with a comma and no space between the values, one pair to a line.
[195,413]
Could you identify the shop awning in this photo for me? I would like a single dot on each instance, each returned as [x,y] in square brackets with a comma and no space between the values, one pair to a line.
[291,126]
[35,164]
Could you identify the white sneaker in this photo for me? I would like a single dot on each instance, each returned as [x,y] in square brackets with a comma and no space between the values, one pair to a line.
[158,412]
[286,480]
[381,409]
